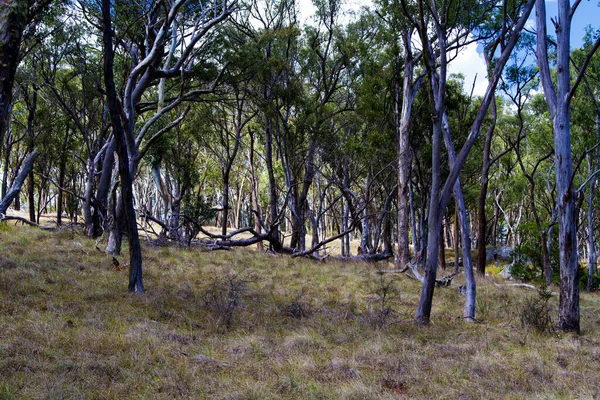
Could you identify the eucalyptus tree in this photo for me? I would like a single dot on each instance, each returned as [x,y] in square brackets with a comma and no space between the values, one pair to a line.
[586,117]
[558,96]
[17,20]
[144,31]
[406,84]
[269,41]
[519,80]
[444,17]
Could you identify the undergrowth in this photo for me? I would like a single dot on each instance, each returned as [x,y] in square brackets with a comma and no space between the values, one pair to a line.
[246,325]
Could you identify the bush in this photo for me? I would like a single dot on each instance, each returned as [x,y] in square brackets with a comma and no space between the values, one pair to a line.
[521,269]
[224,297]
[535,312]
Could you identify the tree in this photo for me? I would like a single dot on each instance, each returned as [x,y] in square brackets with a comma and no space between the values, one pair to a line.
[559,98]
[440,196]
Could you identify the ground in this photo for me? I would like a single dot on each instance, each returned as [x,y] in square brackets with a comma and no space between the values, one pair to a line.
[247,325]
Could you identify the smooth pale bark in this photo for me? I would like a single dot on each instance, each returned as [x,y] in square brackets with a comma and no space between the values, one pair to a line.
[559,103]
[416,242]
[13,192]
[403,116]
[439,198]
[461,211]
[591,243]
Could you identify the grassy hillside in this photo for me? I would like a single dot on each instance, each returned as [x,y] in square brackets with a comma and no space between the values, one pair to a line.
[246,325]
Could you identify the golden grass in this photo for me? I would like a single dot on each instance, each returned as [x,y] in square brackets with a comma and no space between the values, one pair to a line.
[69,329]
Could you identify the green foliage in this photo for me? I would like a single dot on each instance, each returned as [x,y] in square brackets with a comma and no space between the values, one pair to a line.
[535,312]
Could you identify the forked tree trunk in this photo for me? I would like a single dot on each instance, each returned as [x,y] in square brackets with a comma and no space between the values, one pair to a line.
[135,253]
[439,197]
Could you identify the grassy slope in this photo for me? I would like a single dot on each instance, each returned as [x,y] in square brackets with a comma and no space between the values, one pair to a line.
[69,329]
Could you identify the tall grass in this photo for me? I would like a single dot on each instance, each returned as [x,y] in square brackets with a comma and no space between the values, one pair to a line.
[70,329]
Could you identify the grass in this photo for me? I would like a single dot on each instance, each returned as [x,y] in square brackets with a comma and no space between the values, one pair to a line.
[69,329]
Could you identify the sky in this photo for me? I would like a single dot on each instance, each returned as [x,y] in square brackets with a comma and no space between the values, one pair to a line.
[470,62]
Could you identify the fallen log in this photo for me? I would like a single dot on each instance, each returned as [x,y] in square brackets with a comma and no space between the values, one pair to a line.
[524,285]
[26,221]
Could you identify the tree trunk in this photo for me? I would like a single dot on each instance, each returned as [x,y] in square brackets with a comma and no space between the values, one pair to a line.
[254,191]
[135,253]
[61,184]
[485,171]
[558,100]
[273,214]
[13,20]
[13,192]
[591,242]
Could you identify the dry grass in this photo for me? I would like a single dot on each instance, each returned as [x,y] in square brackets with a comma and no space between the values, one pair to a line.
[69,329]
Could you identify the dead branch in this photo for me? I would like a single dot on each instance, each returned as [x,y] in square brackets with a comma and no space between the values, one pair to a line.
[26,221]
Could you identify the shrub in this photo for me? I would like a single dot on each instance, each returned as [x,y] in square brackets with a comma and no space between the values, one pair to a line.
[224,297]
[535,312]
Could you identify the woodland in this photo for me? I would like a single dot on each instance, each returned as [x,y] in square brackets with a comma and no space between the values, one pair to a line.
[340,138]
[301,206]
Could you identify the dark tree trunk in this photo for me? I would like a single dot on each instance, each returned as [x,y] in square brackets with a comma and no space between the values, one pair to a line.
[13,19]
[273,214]
[485,170]
[59,197]
[254,191]
[31,196]
[135,253]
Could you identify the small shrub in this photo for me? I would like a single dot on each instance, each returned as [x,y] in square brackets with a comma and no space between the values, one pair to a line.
[535,312]
[224,297]
[386,290]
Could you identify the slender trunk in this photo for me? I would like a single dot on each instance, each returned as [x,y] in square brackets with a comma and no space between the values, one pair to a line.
[8,147]
[434,228]
[13,192]
[31,196]
[415,233]
[135,253]
[61,184]
[558,99]
[485,170]
[254,190]
[403,116]
[273,214]
[546,257]
[591,242]
[225,203]
[105,186]
[442,255]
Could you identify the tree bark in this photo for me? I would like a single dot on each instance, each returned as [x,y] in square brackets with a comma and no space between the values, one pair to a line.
[403,116]
[135,253]
[558,99]
[16,187]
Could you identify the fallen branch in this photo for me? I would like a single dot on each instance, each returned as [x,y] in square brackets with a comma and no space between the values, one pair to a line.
[525,285]
[26,221]
[392,271]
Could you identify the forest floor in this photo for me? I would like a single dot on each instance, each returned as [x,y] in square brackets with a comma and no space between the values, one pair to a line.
[242,324]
